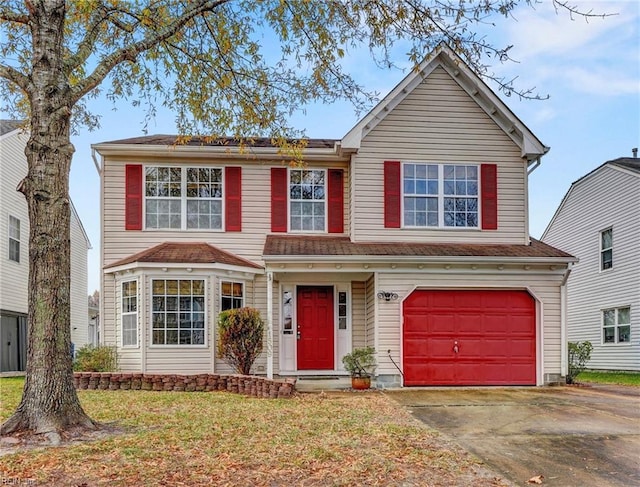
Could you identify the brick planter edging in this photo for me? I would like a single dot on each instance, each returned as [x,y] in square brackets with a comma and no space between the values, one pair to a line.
[240,384]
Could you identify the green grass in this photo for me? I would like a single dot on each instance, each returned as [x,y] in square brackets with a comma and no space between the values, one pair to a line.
[622,378]
[178,438]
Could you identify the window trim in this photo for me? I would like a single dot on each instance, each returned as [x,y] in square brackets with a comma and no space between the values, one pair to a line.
[10,238]
[325,170]
[136,313]
[183,198]
[603,250]
[441,196]
[616,326]
[232,282]
[205,345]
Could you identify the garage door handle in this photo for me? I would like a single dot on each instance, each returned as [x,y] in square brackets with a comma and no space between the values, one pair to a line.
[455,347]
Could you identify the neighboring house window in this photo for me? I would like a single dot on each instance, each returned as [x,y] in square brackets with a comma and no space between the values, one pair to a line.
[231,295]
[606,249]
[130,314]
[14,239]
[178,311]
[440,195]
[183,198]
[307,200]
[616,324]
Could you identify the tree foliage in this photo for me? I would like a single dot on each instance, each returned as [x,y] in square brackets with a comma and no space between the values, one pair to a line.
[240,334]
[236,68]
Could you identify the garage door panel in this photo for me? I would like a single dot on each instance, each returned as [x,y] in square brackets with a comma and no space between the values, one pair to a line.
[494,330]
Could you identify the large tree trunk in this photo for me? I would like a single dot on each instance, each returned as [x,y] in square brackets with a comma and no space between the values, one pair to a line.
[49,401]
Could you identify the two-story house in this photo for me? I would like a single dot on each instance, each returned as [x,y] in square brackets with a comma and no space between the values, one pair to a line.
[14,255]
[598,221]
[409,234]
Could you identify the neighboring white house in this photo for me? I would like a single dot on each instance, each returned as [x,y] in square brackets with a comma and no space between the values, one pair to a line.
[598,221]
[410,234]
[14,255]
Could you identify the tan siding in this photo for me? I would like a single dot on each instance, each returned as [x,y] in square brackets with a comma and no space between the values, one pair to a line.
[358,314]
[608,198]
[545,287]
[79,293]
[438,122]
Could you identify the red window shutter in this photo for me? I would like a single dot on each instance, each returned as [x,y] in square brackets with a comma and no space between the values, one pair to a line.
[335,193]
[133,197]
[489,195]
[233,198]
[392,194]
[279,199]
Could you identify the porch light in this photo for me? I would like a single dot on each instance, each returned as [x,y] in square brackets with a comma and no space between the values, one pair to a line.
[387,295]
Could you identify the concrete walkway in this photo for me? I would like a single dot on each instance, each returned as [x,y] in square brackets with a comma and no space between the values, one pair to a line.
[573,436]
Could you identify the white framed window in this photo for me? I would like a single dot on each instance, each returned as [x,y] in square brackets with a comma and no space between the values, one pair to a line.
[616,325]
[231,295]
[183,198]
[129,313]
[606,249]
[342,310]
[178,310]
[14,239]
[440,195]
[307,200]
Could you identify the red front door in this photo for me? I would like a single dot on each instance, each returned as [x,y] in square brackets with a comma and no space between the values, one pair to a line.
[315,327]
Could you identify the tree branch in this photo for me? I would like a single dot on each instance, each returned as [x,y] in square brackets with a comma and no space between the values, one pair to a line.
[15,76]
[11,16]
[129,53]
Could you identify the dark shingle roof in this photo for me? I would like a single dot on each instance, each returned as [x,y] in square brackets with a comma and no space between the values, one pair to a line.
[631,163]
[7,126]
[170,140]
[185,253]
[277,245]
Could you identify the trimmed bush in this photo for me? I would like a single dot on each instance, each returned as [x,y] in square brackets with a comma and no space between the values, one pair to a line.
[579,355]
[101,358]
[240,334]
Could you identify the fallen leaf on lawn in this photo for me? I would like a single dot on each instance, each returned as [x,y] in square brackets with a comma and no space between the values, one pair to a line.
[536,480]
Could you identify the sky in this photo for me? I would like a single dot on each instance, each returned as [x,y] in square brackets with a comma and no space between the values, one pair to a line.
[590,70]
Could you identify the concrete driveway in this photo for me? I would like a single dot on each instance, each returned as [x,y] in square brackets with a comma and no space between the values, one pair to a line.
[573,436]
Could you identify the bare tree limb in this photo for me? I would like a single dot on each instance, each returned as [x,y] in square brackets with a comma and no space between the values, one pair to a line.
[130,52]
[15,76]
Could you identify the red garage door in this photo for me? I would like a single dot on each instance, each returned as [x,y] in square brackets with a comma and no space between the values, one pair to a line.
[469,338]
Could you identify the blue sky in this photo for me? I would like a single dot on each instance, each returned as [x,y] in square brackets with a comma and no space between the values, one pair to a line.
[590,70]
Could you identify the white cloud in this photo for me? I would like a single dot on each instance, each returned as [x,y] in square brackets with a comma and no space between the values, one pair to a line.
[601,82]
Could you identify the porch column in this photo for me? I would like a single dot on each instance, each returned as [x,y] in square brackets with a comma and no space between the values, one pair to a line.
[269,325]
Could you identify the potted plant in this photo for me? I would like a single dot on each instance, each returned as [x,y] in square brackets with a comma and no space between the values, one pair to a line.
[360,364]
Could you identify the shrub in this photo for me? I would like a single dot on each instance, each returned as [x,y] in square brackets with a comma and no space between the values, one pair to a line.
[101,358]
[579,355]
[361,362]
[240,338]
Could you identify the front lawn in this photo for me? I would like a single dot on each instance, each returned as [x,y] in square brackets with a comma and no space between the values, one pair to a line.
[204,438]
[622,378]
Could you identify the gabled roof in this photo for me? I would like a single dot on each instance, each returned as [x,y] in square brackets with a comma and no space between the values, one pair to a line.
[7,126]
[185,253]
[629,165]
[531,147]
[321,246]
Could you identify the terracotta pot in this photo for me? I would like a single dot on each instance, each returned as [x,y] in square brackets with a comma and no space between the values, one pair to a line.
[360,383]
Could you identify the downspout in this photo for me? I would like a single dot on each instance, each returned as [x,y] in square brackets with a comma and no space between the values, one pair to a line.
[269,325]
[563,321]
[534,165]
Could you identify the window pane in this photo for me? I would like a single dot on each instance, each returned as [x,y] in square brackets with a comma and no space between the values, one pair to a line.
[607,259]
[609,317]
[624,316]
[609,335]
[607,239]
[624,334]
[237,289]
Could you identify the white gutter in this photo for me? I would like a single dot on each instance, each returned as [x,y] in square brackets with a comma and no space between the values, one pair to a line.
[269,325]
[414,259]
[563,322]
[183,266]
